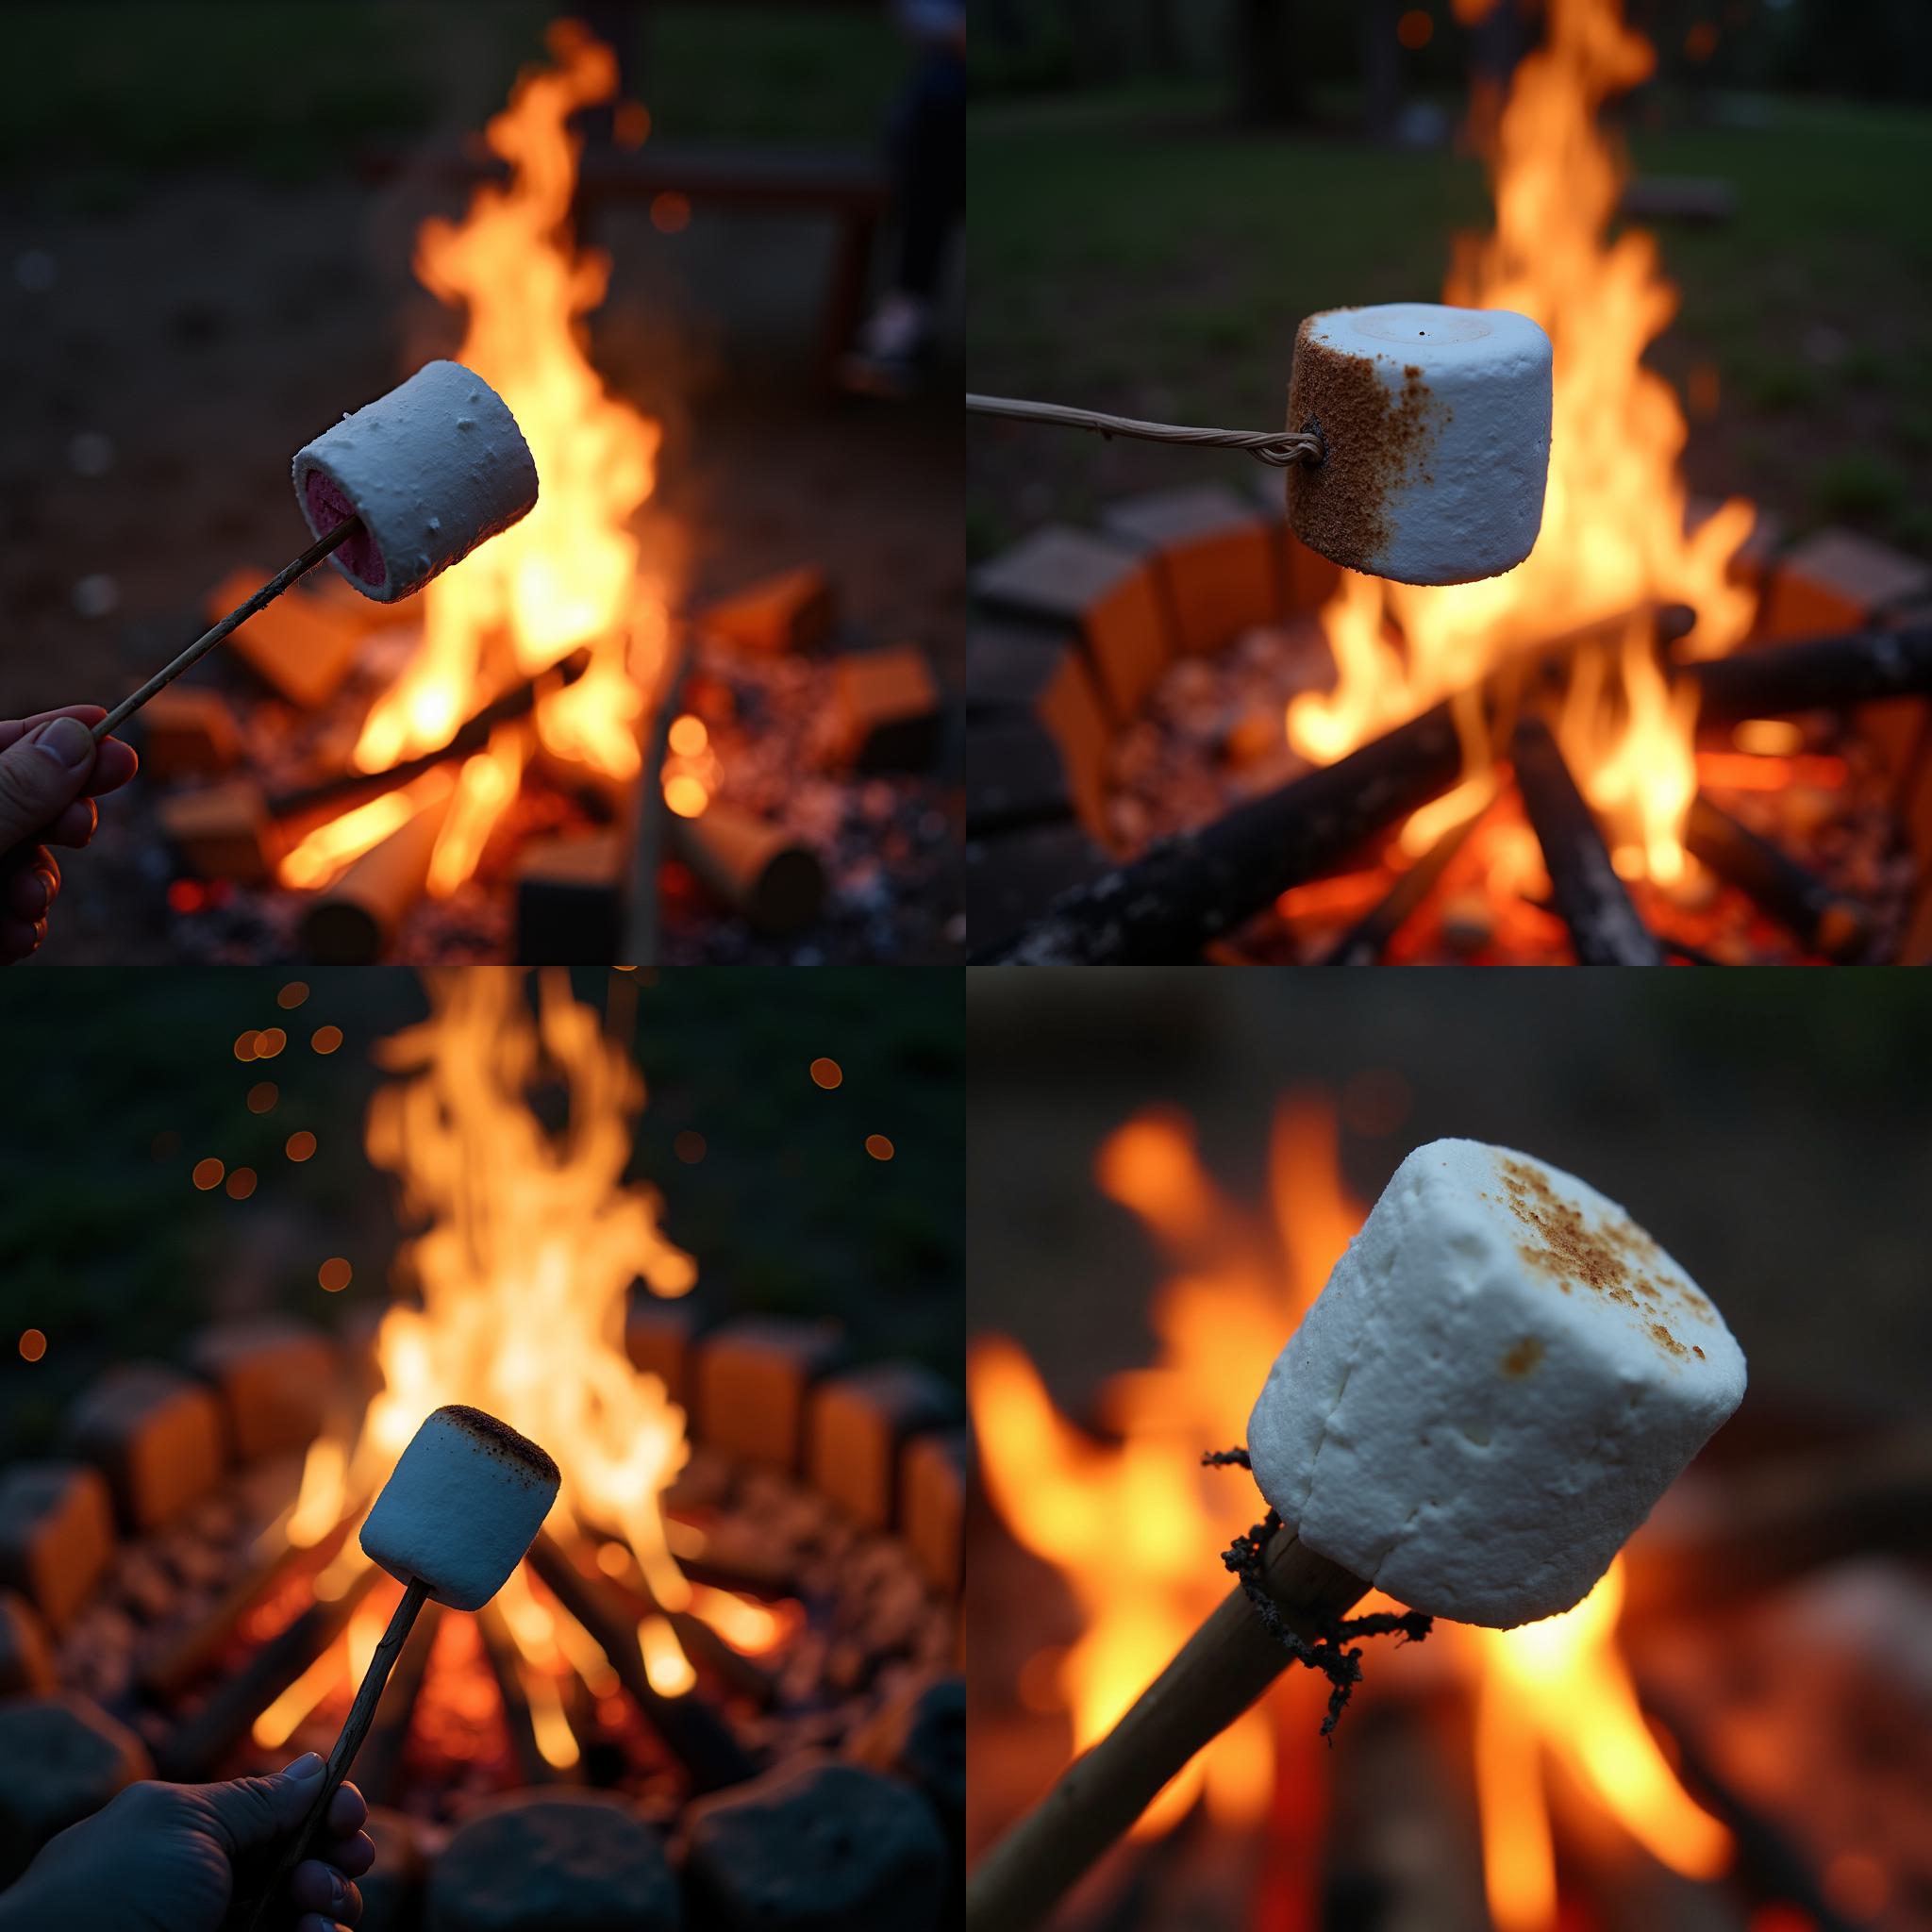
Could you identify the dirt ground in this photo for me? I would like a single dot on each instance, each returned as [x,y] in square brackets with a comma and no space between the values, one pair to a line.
[161,360]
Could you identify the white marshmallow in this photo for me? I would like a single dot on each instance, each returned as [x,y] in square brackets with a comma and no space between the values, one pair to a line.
[1437,427]
[463,1503]
[432,469]
[1502,1375]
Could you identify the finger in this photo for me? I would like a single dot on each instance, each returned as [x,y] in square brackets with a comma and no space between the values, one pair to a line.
[31,893]
[352,1856]
[114,764]
[20,937]
[314,1886]
[13,730]
[75,827]
[348,1811]
[38,775]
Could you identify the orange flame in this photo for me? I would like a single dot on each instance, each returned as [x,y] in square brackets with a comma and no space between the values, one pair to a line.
[523,1274]
[1131,1523]
[568,574]
[1613,513]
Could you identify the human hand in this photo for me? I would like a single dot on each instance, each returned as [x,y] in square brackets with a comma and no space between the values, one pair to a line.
[51,772]
[166,1859]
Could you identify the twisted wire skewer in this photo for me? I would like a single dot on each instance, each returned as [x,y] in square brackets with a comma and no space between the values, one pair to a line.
[1278,448]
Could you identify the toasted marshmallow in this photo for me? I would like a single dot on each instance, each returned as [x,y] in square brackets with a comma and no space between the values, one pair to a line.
[1501,1377]
[432,469]
[1436,424]
[463,1503]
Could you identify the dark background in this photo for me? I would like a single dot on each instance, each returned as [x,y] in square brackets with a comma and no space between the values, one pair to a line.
[1771,1129]
[117,1083]
[1161,190]
[197,276]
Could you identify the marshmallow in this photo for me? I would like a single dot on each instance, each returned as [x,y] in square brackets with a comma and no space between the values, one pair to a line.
[1436,424]
[432,469]
[1502,1375]
[463,1503]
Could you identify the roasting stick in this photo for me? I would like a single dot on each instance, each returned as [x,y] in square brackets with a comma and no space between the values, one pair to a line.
[1441,1330]
[355,1729]
[289,573]
[1221,1670]
[462,1506]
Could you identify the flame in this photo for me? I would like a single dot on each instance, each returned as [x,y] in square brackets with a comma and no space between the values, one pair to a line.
[524,1273]
[328,851]
[568,575]
[1562,1685]
[1613,513]
[1132,1524]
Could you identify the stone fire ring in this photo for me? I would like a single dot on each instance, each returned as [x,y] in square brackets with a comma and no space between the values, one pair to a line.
[869,1838]
[1071,629]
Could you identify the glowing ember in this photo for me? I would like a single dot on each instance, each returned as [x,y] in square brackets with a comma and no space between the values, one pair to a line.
[1613,516]
[568,575]
[1133,1526]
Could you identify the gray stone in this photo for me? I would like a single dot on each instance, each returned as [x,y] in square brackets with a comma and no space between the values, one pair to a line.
[565,1861]
[61,1759]
[816,1847]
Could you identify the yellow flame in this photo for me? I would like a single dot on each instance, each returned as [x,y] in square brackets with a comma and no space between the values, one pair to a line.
[1613,513]
[665,1663]
[484,790]
[330,849]
[568,574]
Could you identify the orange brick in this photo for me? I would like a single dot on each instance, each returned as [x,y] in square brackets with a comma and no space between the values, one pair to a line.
[658,1337]
[1837,580]
[856,1426]
[1103,591]
[274,1378]
[1213,555]
[222,831]
[155,1435]
[26,1665]
[891,707]
[932,1478]
[301,647]
[56,1535]
[751,1381]
[790,612]
[186,732]
[1017,669]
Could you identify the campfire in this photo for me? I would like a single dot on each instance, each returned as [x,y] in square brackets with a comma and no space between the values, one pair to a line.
[1578,759]
[749,1567]
[513,763]
[1577,1787]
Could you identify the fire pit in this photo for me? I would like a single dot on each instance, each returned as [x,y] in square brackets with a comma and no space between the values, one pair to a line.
[740,1623]
[1659,737]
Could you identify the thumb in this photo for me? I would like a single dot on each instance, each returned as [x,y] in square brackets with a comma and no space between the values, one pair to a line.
[40,773]
[255,1811]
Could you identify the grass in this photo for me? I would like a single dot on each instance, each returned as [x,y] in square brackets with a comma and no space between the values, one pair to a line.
[101,99]
[107,1247]
[1132,253]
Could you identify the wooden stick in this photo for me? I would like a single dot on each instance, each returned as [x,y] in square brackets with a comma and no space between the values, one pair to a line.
[1820,673]
[1227,1663]
[361,1714]
[1603,924]
[236,617]
[1368,940]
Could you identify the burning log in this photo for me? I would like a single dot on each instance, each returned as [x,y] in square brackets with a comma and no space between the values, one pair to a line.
[354,922]
[188,1652]
[1165,906]
[1820,673]
[1603,925]
[752,865]
[1366,943]
[691,1730]
[500,1651]
[196,1746]
[471,735]
[1836,926]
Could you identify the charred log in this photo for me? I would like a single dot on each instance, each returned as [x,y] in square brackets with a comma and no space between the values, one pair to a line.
[1838,927]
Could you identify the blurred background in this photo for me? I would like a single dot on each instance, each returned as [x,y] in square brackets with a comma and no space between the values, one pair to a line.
[1161,193]
[1162,1170]
[211,214]
[190,1175]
